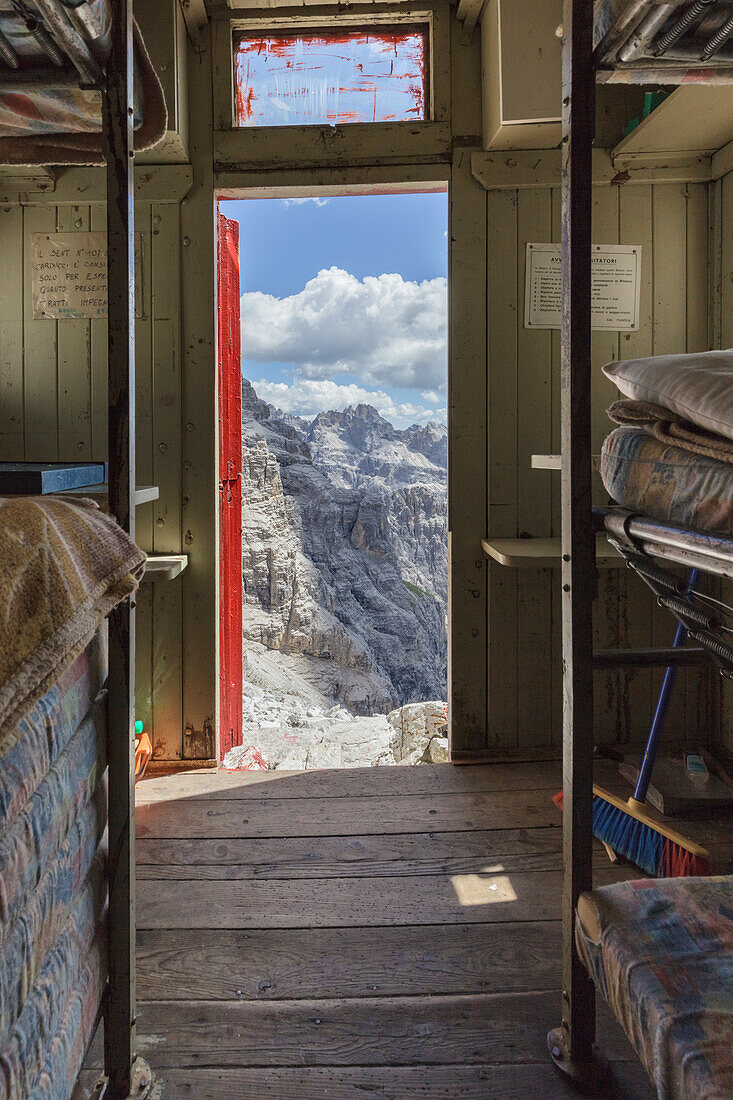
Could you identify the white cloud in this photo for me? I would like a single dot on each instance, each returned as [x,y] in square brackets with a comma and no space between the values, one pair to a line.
[307,397]
[299,202]
[385,330]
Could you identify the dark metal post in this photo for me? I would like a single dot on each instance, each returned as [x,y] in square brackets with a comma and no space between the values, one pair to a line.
[118,143]
[572,1044]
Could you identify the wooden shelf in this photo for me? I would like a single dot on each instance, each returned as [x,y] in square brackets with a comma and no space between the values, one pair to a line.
[694,119]
[544,553]
[554,462]
[164,567]
[143,493]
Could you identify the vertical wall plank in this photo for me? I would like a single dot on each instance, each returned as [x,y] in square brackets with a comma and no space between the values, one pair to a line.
[467,491]
[670,336]
[534,487]
[98,359]
[501,289]
[635,603]
[166,403]
[198,381]
[604,348]
[74,367]
[12,428]
[39,363]
[145,701]
[697,267]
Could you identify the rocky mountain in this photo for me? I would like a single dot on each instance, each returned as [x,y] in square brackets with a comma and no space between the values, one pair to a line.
[344,556]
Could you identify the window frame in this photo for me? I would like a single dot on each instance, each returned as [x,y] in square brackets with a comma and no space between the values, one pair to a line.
[437,60]
[356,25]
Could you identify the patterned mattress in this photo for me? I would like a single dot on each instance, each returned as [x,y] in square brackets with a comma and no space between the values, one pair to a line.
[29,750]
[666,483]
[662,955]
[29,846]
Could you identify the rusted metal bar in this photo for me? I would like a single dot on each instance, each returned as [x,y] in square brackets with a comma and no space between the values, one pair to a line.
[640,42]
[571,1045]
[648,658]
[118,146]
[70,41]
[621,30]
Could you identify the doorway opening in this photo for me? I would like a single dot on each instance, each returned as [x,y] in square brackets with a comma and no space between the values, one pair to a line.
[337,464]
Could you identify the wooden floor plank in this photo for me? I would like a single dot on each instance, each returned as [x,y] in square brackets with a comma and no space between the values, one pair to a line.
[347,782]
[355,856]
[264,965]
[488,897]
[338,816]
[399,1031]
[541,1082]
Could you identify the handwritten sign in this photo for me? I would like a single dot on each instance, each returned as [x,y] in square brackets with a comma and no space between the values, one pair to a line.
[615,286]
[69,275]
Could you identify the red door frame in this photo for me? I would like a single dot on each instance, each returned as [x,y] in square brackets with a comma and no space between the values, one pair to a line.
[230,486]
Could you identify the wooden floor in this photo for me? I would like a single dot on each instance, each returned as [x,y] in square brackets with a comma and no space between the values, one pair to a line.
[389,932]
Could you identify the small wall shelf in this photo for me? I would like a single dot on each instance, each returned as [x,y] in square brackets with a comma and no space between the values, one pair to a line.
[164,567]
[540,553]
[143,493]
[694,119]
[554,462]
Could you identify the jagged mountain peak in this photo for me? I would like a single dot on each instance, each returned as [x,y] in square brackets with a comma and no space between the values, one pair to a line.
[345,551]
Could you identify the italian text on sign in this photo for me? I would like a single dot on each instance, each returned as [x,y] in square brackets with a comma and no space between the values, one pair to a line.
[615,286]
[69,275]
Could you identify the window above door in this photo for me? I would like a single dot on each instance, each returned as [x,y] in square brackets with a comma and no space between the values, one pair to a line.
[335,76]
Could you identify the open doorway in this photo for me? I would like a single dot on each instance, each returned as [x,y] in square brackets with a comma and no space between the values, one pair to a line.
[343,480]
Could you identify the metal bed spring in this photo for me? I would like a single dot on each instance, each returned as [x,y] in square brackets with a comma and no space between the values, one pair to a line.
[641,540]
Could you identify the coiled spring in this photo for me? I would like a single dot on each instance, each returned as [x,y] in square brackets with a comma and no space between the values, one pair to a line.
[681,25]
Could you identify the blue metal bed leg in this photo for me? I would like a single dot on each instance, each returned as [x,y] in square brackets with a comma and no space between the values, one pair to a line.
[660,712]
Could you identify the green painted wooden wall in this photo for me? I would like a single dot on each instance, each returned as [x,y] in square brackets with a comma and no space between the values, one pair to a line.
[53,402]
[670,222]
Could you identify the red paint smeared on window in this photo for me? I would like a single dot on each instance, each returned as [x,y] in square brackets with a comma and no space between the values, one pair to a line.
[356,76]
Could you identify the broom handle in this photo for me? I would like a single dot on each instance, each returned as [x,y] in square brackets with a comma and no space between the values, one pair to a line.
[660,712]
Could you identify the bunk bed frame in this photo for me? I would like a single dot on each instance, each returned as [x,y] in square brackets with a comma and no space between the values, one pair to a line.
[572,1044]
[125,1076]
[117,125]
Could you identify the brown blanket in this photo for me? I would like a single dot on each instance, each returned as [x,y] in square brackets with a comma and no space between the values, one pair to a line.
[669,427]
[63,566]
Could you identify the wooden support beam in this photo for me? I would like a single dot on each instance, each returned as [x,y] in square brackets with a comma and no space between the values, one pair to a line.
[519,169]
[119,1030]
[571,1045]
[469,13]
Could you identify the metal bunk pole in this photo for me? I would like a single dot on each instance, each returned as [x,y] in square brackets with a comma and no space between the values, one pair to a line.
[119,1029]
[572,1044]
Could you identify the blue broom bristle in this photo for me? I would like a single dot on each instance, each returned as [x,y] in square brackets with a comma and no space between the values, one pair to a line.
[632,839]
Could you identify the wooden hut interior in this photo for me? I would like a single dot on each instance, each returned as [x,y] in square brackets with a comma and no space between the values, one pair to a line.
[538,897]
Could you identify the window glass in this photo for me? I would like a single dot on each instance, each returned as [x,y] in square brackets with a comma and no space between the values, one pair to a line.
[375,75]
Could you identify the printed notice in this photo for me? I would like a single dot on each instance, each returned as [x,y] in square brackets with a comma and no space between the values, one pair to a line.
[69,275]
[615,286]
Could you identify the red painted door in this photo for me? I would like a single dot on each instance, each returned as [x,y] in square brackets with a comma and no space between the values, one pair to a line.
[230,488]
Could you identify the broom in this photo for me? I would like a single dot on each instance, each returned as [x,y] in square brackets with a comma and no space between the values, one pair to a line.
[624,826]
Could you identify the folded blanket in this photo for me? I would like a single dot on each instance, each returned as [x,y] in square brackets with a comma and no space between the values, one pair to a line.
[669,427]
[78,146]
[64,565]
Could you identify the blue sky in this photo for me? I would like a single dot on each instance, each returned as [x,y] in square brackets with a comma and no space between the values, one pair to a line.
[344,300]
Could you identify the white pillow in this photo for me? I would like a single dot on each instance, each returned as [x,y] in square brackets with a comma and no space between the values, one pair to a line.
[698,386]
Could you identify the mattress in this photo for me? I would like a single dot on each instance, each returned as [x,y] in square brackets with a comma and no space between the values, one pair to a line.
[69,1045]
[73,886]
[46,1046]
[30,844]
[666,483]
[36,742]
[661,952]
[55,109]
